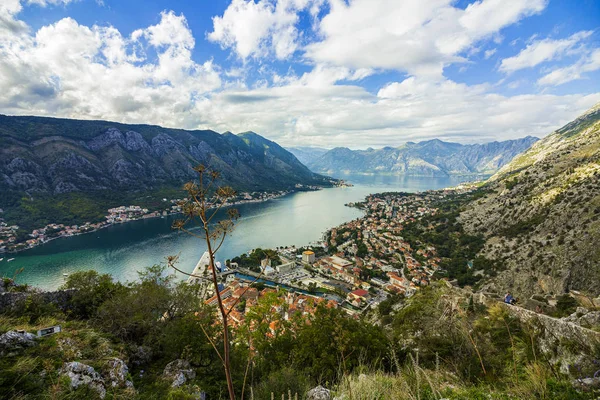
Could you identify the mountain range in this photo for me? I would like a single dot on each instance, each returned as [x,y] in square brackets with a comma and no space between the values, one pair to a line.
[428,158]
[93,164]
[306,155]
[540,214]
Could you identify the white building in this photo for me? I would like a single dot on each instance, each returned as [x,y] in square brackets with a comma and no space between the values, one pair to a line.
[286,268]
[308,256]
[268,271]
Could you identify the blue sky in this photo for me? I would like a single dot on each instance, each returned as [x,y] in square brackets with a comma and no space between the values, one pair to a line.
[326,73]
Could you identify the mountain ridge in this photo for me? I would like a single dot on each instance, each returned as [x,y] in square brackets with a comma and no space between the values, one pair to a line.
[540,214]
[427,158]
[44,157]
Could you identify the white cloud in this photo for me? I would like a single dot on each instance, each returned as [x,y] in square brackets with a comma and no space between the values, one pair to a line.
[560,76]
[414,36]
[172,30]
[71,70]
[45,3]
[540,51]
[300,112]
[10,27]
[256,28]
[489,53]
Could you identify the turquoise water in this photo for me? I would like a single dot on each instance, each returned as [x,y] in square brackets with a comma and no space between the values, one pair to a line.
[122,250]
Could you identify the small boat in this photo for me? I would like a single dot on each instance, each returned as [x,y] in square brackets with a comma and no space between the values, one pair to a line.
[1,259]
[65,274]
[10,259]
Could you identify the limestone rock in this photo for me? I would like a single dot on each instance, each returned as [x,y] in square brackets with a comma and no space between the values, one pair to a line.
[82,374]
[585,318]
[179,371]
[118,373]
[318,393]
[13,341]
[587,384]
[590,320]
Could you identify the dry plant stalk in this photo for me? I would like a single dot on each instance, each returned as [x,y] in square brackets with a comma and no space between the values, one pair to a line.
[204,201]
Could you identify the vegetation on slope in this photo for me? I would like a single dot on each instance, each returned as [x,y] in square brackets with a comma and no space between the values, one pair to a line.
[541,214]
[438,344]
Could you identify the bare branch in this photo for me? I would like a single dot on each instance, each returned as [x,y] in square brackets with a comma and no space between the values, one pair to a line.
[222,241]
[246,373]
[216,210]
[212,343]
[172,265]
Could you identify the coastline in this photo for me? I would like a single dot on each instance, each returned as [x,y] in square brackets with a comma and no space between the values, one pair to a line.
[106,225]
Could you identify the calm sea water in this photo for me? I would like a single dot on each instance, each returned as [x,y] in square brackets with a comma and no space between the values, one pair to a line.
[122,250]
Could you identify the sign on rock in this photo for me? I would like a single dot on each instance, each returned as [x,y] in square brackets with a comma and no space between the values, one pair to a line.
[48,331]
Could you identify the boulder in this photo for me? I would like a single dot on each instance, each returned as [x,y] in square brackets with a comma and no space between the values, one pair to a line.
[178,372]
[584,318]
[13,342]
[118,373]
[587,384]
[590,320]
[318,393]
[83,375]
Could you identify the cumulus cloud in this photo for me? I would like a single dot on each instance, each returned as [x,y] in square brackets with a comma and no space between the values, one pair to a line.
[560,76]
[259,28]
[418,37]
[329,115]
[71,70]
[10,26]
[540,51]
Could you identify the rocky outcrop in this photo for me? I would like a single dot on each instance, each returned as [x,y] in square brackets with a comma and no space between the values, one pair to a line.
[118,374]
[540,216]
[566,345]
[318,393]
[585,318]
[13,342]
[587,384]
[178,372]
[81,374]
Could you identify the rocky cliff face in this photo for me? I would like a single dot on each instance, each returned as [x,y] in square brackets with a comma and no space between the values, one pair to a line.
[46,155]
[430,158]
[541,214]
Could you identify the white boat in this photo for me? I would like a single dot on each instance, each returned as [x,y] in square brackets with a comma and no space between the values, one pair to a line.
[65,274]
[10,259]
[1,259]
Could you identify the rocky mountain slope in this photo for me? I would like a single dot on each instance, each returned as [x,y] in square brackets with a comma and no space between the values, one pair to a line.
[50,158]
[541,213]
[307,155]
[430,158]
[59,155]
